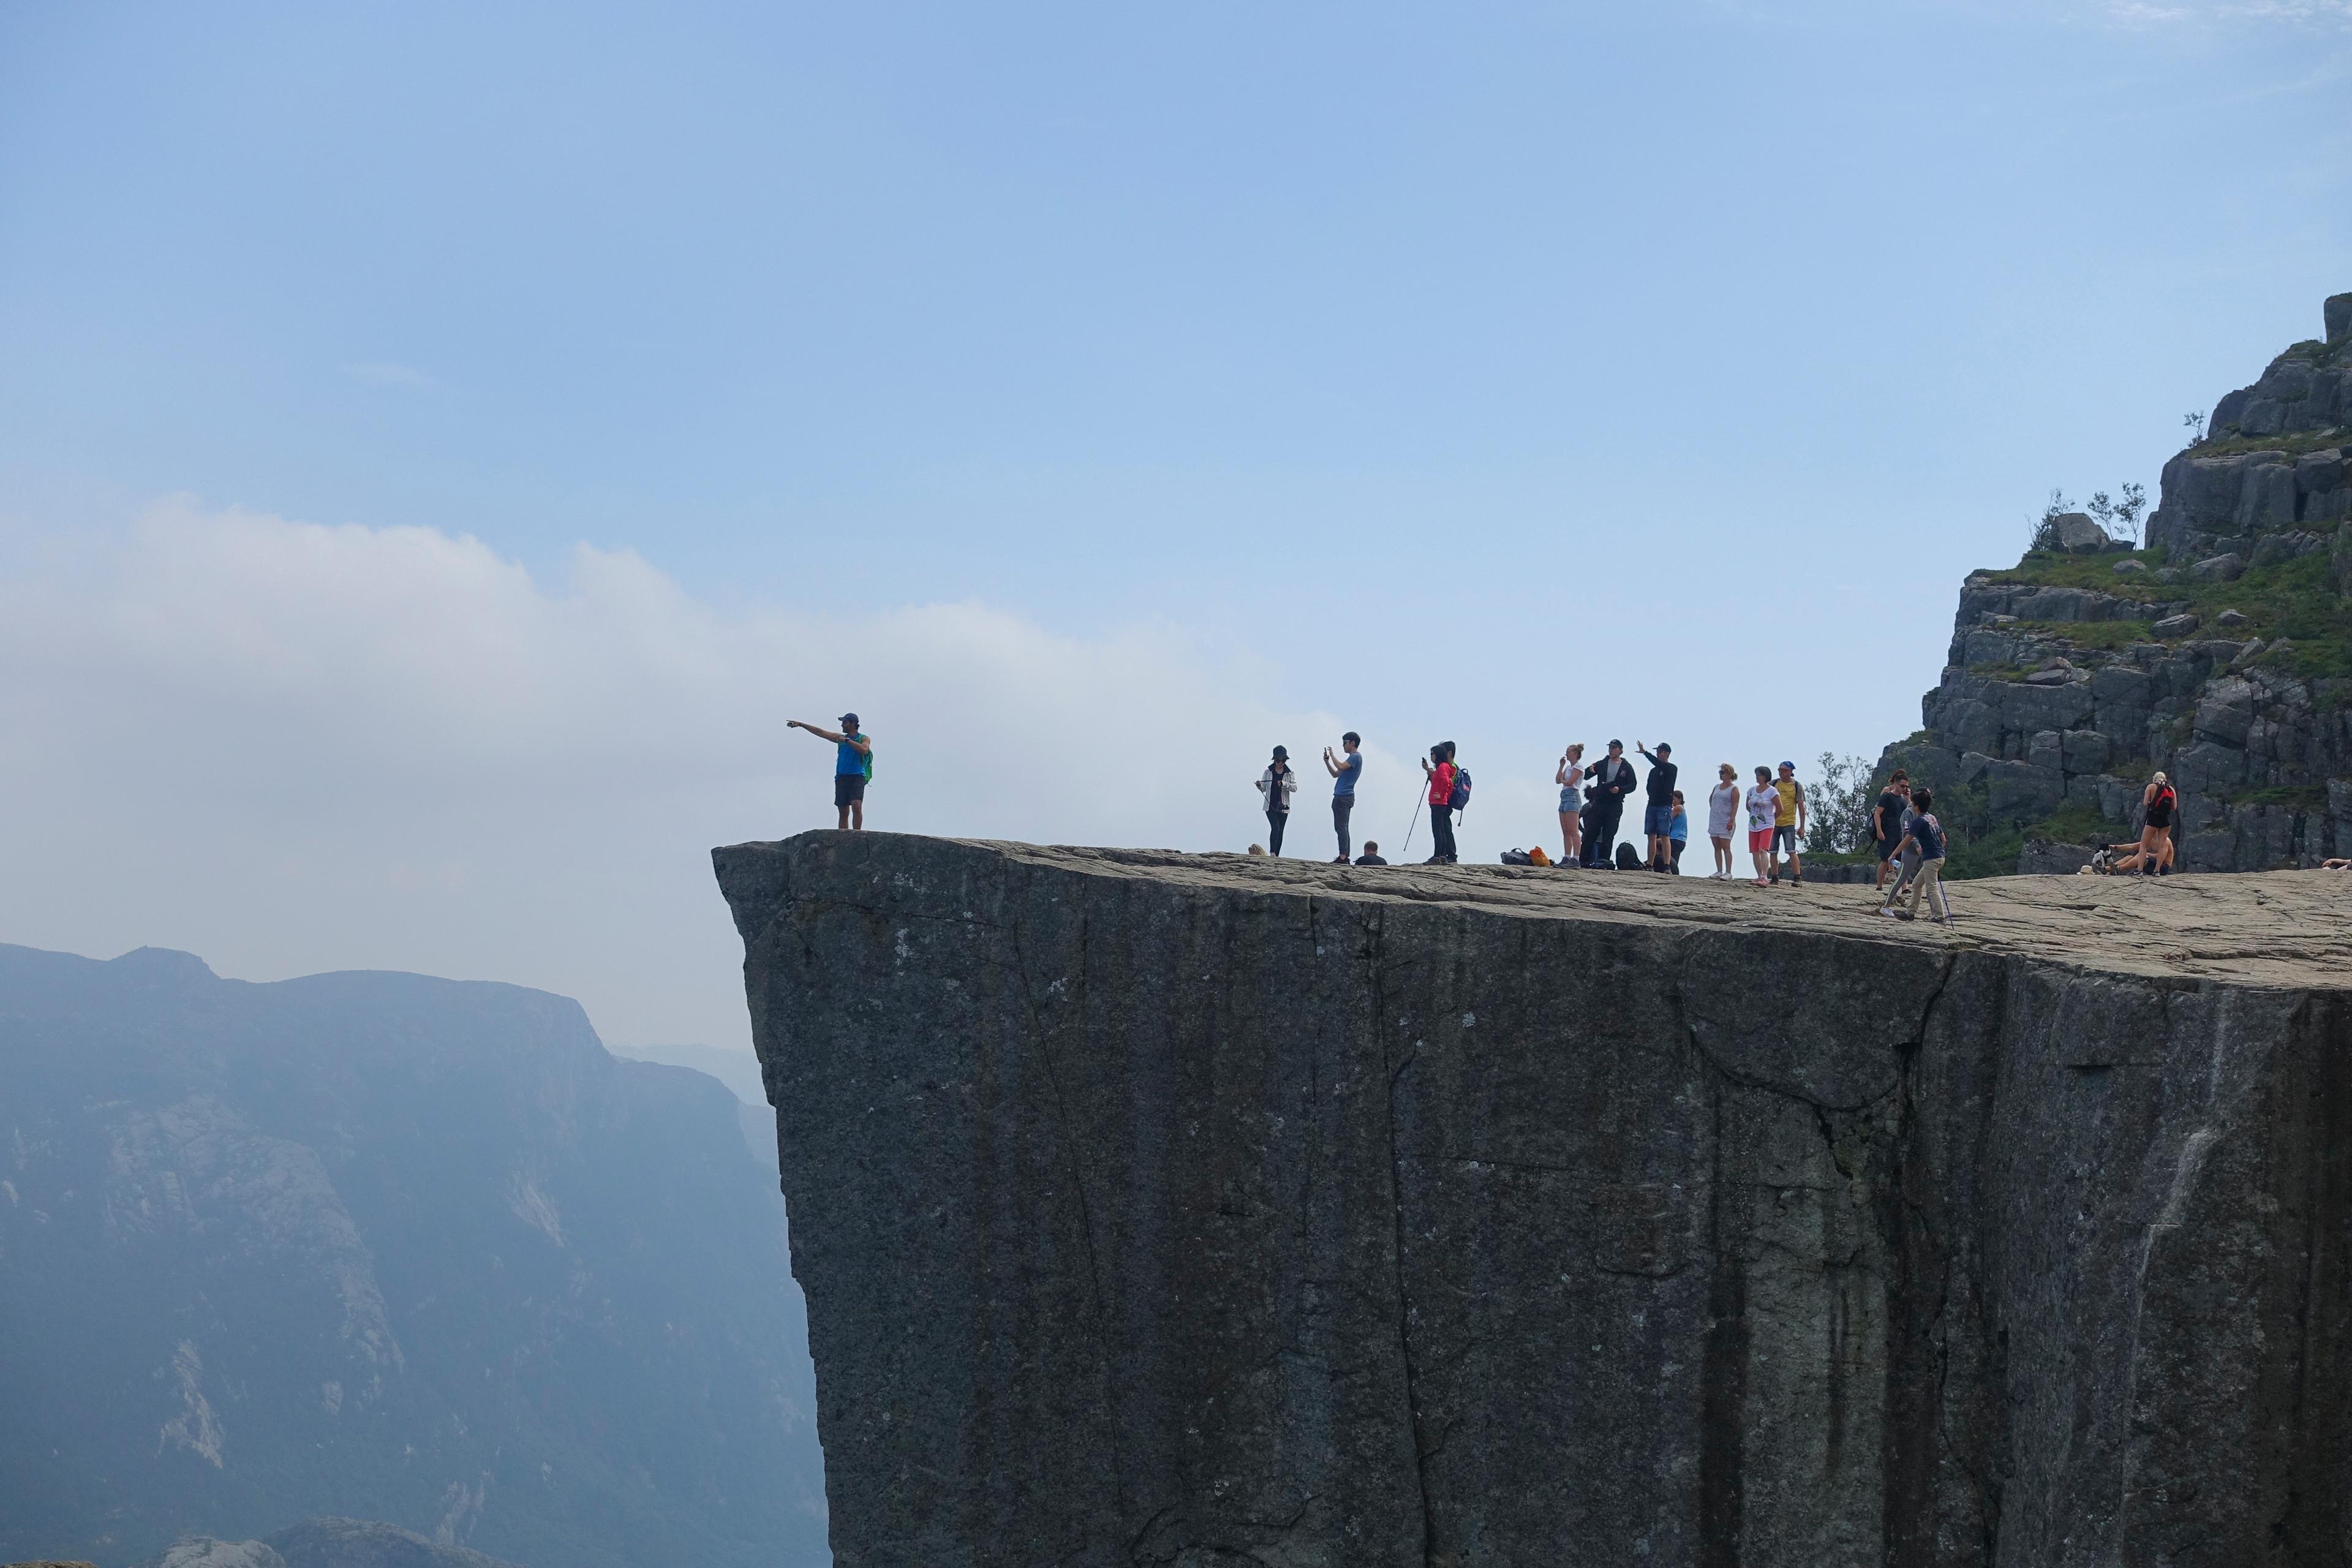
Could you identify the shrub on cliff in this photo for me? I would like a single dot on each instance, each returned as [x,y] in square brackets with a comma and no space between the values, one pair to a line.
[1838,805]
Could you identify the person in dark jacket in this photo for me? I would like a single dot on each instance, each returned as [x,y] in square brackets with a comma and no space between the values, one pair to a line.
[1658,819]
[1276,783]
[1607,783]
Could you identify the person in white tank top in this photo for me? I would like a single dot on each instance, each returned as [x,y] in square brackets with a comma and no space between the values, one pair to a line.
[1722,811]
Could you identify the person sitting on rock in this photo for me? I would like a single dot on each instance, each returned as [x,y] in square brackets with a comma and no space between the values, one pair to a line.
[1372,855]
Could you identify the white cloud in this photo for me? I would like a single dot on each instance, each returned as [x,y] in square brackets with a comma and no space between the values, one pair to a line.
[289,747]
[387,373]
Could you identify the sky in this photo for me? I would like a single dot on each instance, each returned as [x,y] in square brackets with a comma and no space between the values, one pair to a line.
[441,445]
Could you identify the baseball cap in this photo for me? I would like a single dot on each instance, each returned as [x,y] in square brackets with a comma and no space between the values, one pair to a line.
[1790,767]
[850,719]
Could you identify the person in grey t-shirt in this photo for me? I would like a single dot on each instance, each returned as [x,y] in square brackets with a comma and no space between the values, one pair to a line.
[1346,768]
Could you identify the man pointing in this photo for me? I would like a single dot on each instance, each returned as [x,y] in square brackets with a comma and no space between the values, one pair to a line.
[852,766]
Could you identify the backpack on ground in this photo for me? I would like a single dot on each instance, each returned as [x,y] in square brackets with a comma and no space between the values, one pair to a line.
[1517,857]
[1627,860]
[1460,798]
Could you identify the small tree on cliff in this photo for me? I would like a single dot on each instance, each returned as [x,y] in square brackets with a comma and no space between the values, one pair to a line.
[2045,527]
[2121,517]
[1838,805]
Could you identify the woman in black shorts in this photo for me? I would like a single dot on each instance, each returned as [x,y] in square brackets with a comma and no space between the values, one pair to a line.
[2153,853]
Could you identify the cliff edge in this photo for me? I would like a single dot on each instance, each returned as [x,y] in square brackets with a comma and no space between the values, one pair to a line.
[1157,1209]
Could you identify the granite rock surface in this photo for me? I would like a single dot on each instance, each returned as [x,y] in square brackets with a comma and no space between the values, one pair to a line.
[1157,1209]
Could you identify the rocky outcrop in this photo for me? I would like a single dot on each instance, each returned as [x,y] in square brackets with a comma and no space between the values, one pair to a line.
[382,1246]
[1168,1210]
[2233,671]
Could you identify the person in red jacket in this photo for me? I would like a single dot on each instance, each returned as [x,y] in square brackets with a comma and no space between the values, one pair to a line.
[1440,770]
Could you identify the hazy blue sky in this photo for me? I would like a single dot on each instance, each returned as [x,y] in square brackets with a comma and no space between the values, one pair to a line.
[438,444]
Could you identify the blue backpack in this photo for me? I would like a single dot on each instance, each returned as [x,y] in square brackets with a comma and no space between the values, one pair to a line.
[1461,795]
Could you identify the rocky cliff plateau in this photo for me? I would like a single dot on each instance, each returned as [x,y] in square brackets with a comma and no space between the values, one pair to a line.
[2222,653]
[1158,1209]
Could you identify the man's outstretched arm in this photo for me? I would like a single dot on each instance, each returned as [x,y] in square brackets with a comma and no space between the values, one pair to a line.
[833,736]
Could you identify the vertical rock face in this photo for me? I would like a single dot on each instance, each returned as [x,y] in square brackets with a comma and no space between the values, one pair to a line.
[1162,1210]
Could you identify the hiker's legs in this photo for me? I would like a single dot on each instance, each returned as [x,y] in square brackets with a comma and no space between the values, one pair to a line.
[1675,856]
[1342,804]
[1274,821]
[858,812]
[849,799]
[1567,838]
[1910,868]
[1441,831]
[1604,838]
[844,824]
[1931,878]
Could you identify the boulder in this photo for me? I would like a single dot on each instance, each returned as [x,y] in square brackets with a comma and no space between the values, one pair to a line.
[2338,314]
[2225,710]
[2274,548]
[2044,860]
[2315,472]
[2078,533]
[2173,626]
[2207,767]
[2121,686]
[2023,791]
[2045,749]
[2224,568]
[2230,620]
[2131,568]
[2086,752]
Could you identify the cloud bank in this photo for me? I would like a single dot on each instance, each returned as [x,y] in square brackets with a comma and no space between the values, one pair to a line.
[290,747]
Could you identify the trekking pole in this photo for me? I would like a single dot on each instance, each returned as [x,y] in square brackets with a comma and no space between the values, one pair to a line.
[1408,831]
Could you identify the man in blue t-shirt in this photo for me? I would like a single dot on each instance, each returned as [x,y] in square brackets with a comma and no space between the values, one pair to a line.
[852,766]
[1346,768]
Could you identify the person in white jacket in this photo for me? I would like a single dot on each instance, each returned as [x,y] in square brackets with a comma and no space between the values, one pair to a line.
[1277,783]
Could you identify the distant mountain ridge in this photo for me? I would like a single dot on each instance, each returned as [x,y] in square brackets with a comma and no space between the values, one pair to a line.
[385,1247]
[326,1543]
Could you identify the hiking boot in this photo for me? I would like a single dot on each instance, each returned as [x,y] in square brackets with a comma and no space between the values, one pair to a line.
[1339,859]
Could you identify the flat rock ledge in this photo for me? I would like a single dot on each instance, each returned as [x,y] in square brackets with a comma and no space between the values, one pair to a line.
[1215,1210]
